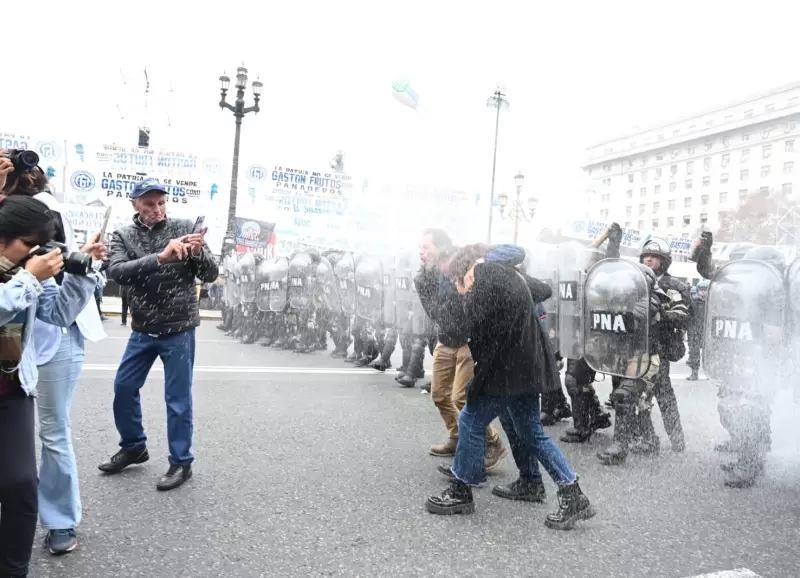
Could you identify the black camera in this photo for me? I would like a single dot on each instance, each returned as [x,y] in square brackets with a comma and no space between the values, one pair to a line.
[74,263]
[24,161]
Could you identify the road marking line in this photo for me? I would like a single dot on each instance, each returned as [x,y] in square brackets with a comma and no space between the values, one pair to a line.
[240,369]
[738,573]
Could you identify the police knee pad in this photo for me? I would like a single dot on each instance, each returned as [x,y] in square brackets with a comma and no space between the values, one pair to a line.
[626,395]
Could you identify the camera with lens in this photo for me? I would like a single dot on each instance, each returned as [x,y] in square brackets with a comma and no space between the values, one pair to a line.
[74,263]
[24,161]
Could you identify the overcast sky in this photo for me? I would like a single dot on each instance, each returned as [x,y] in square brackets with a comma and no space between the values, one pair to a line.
[574,72]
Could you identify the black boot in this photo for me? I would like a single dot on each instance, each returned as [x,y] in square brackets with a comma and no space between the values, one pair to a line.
[581,430]
[694,376]
[406,381]
[573,506]
[381,364]
[548,419]
[645,440]
[521,490]
[455,499]
[744,472]
[617,452]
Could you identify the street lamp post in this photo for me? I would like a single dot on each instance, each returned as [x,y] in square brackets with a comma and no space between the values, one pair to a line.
[498,101]
[517,211]
[239,111]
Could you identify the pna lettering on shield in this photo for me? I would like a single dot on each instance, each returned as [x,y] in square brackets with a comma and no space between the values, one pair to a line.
[609,322]
[729,328]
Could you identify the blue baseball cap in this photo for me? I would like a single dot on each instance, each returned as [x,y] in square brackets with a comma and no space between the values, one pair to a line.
[147,186]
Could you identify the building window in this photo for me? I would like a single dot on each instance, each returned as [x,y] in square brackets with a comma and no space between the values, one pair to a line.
[676,132]
[688,184]
[787,188]
[628,211]
[643,192]
[673,187]
[655,223]
[788,167]
[630,163]
[723,178]
[704,200]
[671,204]
[687,202]
[748,113]
[709,123]
[606,197]
[706,181]
[630,178]
[791,126]
[641,225]
[691,149]
[765,171]
[769,108]
[723,198]
[644,176]
[656,206]
[675,153]
[673,170]
[607,182]
[657,189]
[744,175]
[766,151]
[659,157]
[703,218]
[604,213]
[608,151]
[746,136]
[788,146]
[607,167]
[641,209]
[643,160]
[745,156]
[658,173]
[707,164]
[726,159]
[766,133]
[670,221]
[742,196]
[726,141]
[689,167]
[687,220]
[709,145]
[627,224]
[629,193]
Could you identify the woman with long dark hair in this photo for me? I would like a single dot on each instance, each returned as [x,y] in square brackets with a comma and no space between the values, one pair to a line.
[27,293]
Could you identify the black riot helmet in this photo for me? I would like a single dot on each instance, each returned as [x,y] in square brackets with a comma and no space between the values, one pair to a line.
[658,248]
[767,254]
[740,251]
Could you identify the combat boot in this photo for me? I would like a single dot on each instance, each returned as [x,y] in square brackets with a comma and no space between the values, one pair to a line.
[363,361]
[694,376]
[581,430]
[380,364]
[401,371]
[744,473]
[573,506]
[455,499]
[406,381]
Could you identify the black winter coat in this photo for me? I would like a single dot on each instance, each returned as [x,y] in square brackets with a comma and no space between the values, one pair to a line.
[162,297]
[443,304]
[511,353]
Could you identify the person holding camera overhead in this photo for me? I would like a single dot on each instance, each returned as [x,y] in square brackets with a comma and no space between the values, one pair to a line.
[158,259]
[29,261]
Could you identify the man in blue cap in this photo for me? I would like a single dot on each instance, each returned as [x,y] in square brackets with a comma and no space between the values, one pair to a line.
[158,259]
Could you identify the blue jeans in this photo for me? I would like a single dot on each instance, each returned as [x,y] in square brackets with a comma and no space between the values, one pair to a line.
[522,414]
[59,493]
[177,353]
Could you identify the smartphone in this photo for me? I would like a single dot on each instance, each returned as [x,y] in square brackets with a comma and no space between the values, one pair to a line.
[106,219]
[198,224]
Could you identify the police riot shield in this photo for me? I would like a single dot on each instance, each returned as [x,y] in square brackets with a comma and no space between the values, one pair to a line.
[345,272]
[745,322]
[793,281]
[574,261]
[262,280]
[231,295]
[247,278]
[369,289]
[616,319]
[300,281]
[278,284]
[541,262]
[327,293]
[389,282]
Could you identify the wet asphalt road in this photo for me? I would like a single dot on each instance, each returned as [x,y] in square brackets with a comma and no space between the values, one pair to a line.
[306,474]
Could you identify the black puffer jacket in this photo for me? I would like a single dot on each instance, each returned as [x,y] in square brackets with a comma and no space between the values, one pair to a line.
[444,306]
[162,298]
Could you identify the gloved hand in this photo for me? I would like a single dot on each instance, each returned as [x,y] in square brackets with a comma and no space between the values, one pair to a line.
[615,233]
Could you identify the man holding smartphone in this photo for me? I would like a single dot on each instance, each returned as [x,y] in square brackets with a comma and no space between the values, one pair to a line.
[158,259]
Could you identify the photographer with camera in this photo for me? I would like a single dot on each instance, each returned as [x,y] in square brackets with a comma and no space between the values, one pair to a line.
[158,259]
[28,263]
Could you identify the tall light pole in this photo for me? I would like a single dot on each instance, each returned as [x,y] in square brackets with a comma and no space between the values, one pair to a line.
[498,101]
[239,110]
[517,211]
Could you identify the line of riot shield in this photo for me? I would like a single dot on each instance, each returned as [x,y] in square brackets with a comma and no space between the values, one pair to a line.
[263,272]
[231,293]
[369,289]
[616,319]
[300,280]
[745,322]
[389,275]
[345,271]
[541,262]
[247,278]
[328,295]
[278,284]
[404,294]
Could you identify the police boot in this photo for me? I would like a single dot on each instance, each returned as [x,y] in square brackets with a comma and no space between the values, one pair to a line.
[406,381]
[600,419]
[645,441]
[617,452]
[744,472]
[694,376]
[581,430]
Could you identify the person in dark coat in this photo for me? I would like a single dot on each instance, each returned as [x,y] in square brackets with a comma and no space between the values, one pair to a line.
[512,369]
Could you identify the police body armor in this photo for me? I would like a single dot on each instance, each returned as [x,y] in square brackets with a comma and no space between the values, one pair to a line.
[278,284]
[389,292]
[345,272]
[541,262]
[263,272]
[369,290]
[300,281]
[745,323]
[616,319]
[247,278]
[327,294]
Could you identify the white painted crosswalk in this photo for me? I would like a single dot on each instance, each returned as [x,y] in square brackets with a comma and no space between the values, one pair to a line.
[738,573]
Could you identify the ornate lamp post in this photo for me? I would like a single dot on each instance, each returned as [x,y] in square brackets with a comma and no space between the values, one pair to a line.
[239,111]
[517,211]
